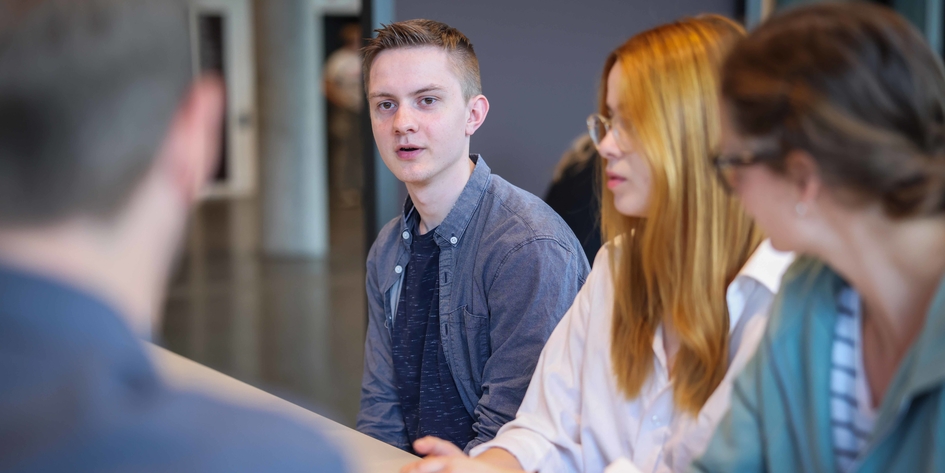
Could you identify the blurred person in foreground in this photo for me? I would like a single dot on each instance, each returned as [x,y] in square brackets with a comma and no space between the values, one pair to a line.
[467,284]
[106,139]
[638,373]
[835,142]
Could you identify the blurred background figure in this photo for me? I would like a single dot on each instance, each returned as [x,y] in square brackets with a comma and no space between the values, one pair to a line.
[574,193]
[345,96]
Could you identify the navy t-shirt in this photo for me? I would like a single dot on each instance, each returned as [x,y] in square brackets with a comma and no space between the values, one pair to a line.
[429,398]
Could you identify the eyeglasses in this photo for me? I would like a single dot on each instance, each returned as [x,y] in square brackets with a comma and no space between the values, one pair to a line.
[726,165]
[598,126]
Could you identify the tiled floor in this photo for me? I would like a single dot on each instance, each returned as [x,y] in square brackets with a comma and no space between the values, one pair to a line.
[292,326]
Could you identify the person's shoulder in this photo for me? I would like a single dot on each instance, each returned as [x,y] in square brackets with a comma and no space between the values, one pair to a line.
[334,61]
[386,238]
[517,212]
[805,283]
[609,251]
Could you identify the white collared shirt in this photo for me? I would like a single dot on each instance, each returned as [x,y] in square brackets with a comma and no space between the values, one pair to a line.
[575,418]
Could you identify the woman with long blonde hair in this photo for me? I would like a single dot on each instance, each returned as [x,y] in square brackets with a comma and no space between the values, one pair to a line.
[639,368]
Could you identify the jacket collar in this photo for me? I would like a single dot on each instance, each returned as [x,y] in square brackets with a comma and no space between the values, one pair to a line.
[921,369]
[924,360]
[456,222]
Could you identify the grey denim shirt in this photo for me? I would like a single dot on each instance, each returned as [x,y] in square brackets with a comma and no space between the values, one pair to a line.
[509,270]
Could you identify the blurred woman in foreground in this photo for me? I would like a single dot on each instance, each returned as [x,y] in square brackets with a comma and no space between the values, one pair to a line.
[835,142]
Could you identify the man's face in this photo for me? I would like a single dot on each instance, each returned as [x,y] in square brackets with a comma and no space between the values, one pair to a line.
[418,114]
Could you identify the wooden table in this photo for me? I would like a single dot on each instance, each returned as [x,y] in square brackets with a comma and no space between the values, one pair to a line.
[364,453]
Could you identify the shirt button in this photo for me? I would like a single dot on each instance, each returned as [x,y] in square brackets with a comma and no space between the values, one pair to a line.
[454,240]
[399,269]
[406,235]
[656,419]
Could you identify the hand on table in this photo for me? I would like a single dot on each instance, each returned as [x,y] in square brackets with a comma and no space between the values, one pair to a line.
[444,457]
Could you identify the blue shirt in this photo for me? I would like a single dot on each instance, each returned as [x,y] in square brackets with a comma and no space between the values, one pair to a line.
[428,396]
[508,270]
[78,394]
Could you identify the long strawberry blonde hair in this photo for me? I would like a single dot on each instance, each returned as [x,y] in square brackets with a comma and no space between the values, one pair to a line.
[675,266]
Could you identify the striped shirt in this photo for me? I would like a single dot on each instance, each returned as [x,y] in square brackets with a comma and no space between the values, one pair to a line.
[851,412]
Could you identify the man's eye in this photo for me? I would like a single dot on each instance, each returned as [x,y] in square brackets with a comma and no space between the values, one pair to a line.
[385,106]
[428,100]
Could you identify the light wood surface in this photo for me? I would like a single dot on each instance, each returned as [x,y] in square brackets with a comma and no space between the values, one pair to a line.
[364,453]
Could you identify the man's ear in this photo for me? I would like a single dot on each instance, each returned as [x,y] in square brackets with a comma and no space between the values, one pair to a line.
[802,171]
[478,108]
[192,147]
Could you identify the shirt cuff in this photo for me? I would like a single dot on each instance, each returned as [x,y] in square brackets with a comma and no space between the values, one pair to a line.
[528,447]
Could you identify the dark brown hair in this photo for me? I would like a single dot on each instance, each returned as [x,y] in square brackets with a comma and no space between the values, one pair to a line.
[87,91]
[855,86]
[418,33]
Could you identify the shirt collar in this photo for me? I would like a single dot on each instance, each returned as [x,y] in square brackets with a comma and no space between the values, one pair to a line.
[456,222]
[767,265]
[928,349]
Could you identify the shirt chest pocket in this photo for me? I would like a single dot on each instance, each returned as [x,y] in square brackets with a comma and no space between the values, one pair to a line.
[466,344]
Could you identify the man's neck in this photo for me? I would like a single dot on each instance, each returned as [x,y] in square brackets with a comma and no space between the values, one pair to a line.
[434,200]
[81,258]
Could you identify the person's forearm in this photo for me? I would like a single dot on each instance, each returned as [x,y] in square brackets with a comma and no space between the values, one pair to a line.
[500,458]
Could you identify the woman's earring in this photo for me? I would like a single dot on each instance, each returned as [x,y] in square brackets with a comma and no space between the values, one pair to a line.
[801,209]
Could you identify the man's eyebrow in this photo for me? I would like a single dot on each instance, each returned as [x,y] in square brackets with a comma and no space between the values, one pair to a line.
[375,95]
[420,91]
[429,88]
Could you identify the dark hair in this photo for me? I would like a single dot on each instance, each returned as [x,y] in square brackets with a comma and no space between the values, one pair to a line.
[87,91]
[417,33]
[855,86]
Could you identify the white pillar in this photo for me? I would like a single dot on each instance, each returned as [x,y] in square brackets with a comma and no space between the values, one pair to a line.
[292,147]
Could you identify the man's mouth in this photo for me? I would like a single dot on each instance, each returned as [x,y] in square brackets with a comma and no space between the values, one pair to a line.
[408,151]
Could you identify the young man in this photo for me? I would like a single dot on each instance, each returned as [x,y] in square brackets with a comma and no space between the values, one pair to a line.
[105,141]
[467,285]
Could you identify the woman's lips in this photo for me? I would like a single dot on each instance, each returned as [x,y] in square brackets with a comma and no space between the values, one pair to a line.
[614,180]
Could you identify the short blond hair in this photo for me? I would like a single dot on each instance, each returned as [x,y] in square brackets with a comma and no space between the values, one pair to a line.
[419,33]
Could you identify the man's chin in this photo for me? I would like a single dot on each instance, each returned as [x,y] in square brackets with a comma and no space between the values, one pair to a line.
[412,174]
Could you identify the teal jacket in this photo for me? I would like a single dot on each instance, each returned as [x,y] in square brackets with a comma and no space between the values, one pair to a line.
[780,415]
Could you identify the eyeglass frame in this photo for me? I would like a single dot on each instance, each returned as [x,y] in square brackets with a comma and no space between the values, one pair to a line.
[609,127]
[720,161]
[745,158]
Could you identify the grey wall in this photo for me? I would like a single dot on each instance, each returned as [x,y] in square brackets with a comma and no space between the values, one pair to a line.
[541,62]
